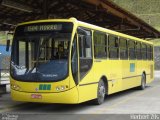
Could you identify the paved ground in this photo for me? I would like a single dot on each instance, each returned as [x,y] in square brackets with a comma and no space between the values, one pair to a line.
[128,102]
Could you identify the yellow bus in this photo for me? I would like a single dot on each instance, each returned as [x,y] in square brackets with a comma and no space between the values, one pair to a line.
[69,61]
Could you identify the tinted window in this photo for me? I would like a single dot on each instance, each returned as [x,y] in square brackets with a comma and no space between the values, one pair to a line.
[148,52]
[85,51]
[123,49]
[138,51]
[113,48]
[100,45]
[131,47]
[144,51]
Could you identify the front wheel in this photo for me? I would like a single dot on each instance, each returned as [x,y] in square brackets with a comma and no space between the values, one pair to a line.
[101,91]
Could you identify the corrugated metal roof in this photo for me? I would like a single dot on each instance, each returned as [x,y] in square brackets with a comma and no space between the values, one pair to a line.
[103,13]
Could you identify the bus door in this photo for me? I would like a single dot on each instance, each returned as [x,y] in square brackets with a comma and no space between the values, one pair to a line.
[85,64]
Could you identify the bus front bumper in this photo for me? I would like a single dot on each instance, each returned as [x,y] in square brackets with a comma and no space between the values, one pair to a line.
[66,97]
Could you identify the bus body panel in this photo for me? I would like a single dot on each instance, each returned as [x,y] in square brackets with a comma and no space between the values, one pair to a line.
[113,74]
[40,87]
[87,92]
[88,87]
[68,97]
[130,79]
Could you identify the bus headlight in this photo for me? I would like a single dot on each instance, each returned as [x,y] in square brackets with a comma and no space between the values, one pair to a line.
[61,88]
[15,87]
[57,88]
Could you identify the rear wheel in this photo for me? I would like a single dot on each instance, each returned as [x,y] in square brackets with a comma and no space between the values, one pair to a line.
[101,91]
[143,82]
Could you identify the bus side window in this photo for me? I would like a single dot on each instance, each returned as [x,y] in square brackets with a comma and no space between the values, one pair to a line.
[131,47]
[85,51]
[144,51]
[138,51]
[148,52]
[113,47]
[123,49]
[100,45]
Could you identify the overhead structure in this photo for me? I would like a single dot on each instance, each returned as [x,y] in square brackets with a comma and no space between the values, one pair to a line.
[99,12]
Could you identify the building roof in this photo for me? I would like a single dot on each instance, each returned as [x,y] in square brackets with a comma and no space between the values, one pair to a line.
[103,13]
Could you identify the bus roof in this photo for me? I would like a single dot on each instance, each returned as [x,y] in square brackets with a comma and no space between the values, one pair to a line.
[91,26]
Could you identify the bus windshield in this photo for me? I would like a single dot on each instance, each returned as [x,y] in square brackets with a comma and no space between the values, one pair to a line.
[41,52]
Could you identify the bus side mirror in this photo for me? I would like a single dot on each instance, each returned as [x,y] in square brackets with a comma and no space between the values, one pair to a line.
[7,45]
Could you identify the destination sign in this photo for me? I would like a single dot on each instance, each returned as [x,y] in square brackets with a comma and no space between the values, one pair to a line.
[44,28]
[36,28]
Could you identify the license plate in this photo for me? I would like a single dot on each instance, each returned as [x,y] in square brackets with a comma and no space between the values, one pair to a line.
[36,96]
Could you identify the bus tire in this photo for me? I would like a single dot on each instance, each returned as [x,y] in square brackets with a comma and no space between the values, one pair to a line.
[143,82]
[101,91]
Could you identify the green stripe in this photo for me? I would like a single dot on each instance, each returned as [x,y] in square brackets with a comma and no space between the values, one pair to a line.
[40,87]
[44,87]
[48,87]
